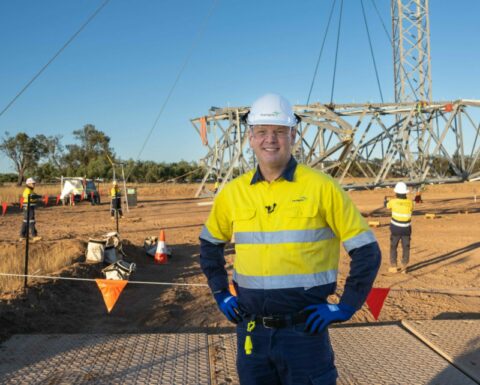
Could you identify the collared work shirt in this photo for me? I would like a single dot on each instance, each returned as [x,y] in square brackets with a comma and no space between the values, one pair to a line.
[402,209]
[287,241]
[28,193]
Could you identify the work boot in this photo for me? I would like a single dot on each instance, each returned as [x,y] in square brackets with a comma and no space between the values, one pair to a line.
[403,269]
[22,239]
[36,238]
[393,269]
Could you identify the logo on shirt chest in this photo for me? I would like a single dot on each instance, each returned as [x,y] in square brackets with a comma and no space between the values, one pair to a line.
[300,199]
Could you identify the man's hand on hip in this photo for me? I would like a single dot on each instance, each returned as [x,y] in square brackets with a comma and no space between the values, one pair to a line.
[228,305]
[324,314]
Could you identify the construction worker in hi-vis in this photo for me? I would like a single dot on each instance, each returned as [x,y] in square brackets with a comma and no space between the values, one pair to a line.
[216,186]
[29,216]
[116,196]
[400,227]
[288,221]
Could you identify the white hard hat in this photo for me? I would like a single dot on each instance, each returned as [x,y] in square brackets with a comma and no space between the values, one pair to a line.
[401,188]
[271,109]
[30,181]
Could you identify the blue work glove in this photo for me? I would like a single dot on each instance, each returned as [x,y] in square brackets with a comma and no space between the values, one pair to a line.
[324,314]
[228,306]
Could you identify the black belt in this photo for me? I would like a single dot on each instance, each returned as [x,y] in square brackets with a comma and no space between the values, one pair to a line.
[282,321]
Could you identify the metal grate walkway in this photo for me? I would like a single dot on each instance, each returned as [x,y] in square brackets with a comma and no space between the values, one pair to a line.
[105,359]
[458,341]
[378,354]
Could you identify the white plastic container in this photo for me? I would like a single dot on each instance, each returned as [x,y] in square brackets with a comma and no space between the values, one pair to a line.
[95,251]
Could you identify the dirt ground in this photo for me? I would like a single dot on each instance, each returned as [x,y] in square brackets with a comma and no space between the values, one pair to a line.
[443,280]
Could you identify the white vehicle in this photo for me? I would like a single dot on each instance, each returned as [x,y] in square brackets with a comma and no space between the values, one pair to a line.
[76,187]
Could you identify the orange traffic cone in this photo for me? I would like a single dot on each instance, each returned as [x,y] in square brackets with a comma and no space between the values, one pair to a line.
[161,256]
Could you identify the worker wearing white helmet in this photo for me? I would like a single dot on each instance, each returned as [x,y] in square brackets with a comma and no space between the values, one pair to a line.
[400,227]
[288,222]
[116,196]
[29,204]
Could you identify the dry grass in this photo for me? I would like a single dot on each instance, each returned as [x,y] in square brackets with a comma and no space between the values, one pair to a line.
[167,190]
[44,259]
[12,193]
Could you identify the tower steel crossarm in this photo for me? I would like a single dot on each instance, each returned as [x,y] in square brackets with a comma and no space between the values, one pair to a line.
[362,145]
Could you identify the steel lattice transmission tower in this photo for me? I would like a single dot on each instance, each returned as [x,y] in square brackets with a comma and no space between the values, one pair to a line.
[411,50]
[368,145]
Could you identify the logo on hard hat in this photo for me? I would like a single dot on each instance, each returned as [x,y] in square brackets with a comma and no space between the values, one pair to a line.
[275,113]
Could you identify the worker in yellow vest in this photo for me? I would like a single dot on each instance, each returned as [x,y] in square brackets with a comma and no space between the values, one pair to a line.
[116,195]
[29,215]
[400,227]
[216,186]
[288,221]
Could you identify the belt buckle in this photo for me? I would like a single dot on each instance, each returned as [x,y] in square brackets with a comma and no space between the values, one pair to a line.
[267,319]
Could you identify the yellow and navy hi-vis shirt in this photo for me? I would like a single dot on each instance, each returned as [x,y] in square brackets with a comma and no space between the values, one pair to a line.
[287,236]
[115,192]
[401,211]
[33,197]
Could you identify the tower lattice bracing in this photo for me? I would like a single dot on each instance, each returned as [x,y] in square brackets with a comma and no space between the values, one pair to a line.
[369,145]
[361,145]
[411,50]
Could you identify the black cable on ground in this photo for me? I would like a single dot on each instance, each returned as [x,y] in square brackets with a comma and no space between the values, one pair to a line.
[92,16]
[321,51]
[371,50]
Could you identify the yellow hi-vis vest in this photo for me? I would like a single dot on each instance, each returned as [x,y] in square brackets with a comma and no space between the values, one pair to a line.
[115,192]
[401,211]
[33,197]
[287,234]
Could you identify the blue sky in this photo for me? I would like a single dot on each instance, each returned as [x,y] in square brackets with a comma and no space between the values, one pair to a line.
[117,73]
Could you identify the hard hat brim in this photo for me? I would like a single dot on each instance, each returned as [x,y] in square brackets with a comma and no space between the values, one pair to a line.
[260,122]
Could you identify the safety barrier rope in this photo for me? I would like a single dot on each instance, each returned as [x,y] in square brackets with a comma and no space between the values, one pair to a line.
[93,280]
[460,292]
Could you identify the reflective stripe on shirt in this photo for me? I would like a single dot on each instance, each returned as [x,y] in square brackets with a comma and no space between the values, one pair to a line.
[359,240]
[400,224]
[205,234]
[284,236]
[401,215]
[285,281]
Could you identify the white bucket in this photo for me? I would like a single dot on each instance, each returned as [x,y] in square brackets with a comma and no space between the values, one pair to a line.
[95,251]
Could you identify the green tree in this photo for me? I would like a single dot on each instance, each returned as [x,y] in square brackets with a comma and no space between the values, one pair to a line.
[89,157]
[24,151]
[53,150]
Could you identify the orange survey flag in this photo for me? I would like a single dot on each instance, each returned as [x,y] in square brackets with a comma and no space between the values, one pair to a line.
[375,300]
[203,130]
[4,208]
[111,290]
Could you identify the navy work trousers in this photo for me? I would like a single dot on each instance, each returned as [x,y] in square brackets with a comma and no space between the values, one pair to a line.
[25,225]
[116,205]
[394,241]
[286,356]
